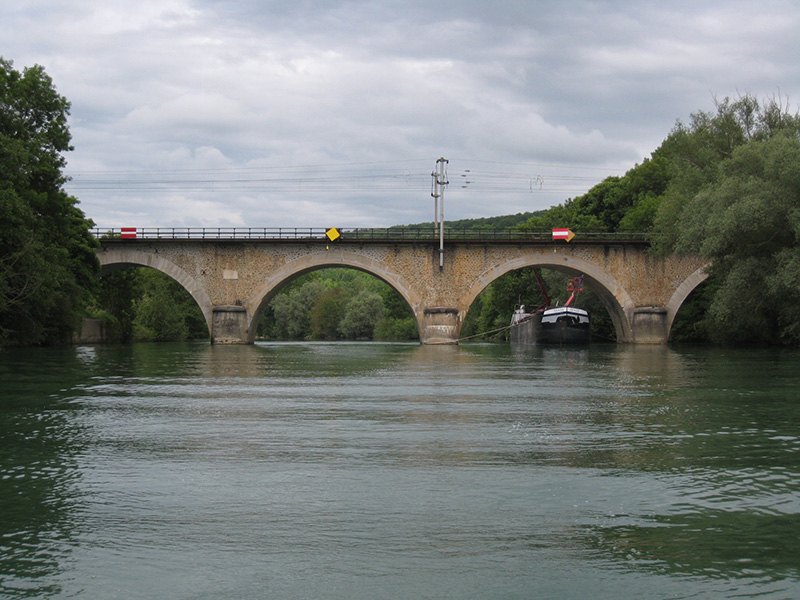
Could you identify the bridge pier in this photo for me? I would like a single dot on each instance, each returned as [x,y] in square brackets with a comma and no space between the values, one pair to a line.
[229,325]
[649,325]
[439,325]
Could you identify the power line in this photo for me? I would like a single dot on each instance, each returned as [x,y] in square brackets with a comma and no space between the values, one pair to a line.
[374,176]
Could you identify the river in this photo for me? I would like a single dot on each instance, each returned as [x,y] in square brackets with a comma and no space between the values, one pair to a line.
[367,470]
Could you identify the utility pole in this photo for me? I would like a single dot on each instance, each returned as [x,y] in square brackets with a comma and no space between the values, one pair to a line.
[439,181]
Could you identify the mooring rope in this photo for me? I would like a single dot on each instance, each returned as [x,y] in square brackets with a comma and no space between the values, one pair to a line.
[469,337]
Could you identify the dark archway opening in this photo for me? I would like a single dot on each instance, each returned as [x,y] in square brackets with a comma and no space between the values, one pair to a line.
[490,313]
[337,304]
[690,325]
[140,304]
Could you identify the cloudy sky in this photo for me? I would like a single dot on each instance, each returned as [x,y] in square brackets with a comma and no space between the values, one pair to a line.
[309,113]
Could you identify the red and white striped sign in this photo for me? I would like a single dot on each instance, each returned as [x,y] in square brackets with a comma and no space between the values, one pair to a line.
[128,233]
[563,234]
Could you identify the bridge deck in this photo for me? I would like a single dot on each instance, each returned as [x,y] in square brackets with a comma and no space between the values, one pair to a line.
[364,235]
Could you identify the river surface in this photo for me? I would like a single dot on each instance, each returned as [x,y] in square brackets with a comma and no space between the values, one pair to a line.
[386,471]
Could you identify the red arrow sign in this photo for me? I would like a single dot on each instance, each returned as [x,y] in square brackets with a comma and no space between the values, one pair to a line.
[563,234]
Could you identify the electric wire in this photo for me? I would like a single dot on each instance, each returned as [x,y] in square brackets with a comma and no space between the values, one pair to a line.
[373,177]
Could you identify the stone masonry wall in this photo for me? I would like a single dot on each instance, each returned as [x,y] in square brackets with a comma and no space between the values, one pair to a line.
[247,273]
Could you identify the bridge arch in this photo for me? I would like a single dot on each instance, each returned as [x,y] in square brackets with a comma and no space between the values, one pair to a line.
[113,259]
[682,292]
[614,297]
[313,262]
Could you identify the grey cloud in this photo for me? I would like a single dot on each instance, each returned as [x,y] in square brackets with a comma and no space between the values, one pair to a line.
[568,92]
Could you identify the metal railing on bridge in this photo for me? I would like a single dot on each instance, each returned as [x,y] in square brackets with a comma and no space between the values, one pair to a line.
[318,234]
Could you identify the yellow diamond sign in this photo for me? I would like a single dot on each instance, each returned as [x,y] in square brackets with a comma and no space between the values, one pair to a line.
[333,234]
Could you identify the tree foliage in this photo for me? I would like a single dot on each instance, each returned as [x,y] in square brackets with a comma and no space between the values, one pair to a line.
[723,186]
[361,315]
[336,304]
[482,223]
[289,312]
[734,198]
[47,261]
[700,155]
[625,203]
[165,311]
[144,305]
[747,220]
[115,302]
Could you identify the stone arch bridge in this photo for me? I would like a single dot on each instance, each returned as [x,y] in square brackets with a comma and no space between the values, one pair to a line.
[234,273]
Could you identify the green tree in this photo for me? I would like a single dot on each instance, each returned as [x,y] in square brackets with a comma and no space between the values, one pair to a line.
[143,304]
[362,306]
[627,203]
[116,302]
[361,315]
[643,187]
[697,150]
[748,222]
[47,260]
[571,214]
[398,322]
[290,311]
[723,186]
[158,317]
[734,198]
[397,329]
[158,322]
[327,312]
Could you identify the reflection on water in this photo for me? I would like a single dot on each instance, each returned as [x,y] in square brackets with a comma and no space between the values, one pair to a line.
[714,543]
[346,470]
